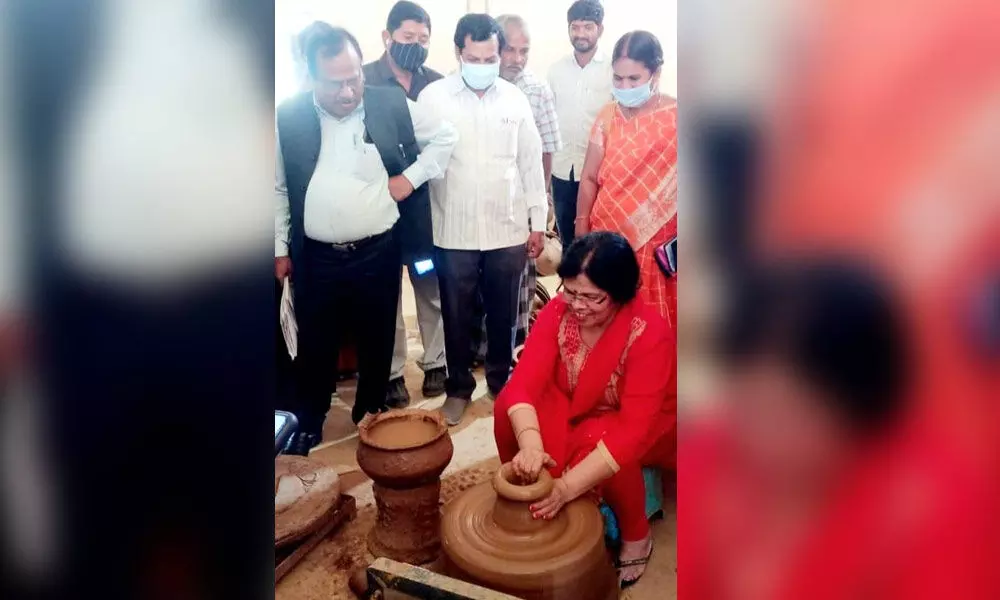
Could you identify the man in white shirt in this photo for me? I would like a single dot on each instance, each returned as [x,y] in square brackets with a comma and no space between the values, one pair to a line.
[489,210]
[581,83]
[335,216]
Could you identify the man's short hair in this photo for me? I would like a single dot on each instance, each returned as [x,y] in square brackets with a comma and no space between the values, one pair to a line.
[479,28]
[586,10]
[515,21]
[330,41]
[406,11]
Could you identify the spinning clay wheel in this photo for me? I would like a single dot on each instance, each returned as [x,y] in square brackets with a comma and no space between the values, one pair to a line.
[491,539]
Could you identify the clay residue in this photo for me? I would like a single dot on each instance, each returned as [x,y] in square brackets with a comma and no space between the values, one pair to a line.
[397,434]
[305,490]
[323,574]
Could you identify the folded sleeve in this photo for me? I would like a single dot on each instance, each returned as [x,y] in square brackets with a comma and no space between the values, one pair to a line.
[282,214]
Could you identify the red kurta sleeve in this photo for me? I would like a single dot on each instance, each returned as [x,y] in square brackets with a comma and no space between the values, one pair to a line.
[536,368]
[648,395]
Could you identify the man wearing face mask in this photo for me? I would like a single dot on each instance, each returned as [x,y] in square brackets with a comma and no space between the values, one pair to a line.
[489,210]
[514,68]
[581,83]
[407,38]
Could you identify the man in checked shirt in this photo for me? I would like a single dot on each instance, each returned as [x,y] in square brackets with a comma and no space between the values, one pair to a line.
[513,60]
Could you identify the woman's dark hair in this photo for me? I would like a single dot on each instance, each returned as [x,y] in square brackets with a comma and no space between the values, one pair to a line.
[640,46]
[836,324]
[328,41]
[406,11]
[586,10]
[606,259]
[479,28]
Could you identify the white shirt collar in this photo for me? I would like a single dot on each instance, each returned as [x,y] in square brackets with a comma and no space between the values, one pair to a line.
[599,57]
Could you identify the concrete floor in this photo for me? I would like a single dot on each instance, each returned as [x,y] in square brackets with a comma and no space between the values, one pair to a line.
[474,444]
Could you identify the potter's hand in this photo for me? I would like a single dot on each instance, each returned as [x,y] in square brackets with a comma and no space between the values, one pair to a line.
[550,507]
[529,462]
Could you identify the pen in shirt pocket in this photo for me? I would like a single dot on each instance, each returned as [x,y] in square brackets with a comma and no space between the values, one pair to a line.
[402,151]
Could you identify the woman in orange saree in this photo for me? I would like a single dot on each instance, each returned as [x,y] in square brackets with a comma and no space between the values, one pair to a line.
[593,398]
[629,180]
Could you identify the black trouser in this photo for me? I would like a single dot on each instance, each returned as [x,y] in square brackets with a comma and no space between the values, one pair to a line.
[564,202]
[463,275]
[338,287]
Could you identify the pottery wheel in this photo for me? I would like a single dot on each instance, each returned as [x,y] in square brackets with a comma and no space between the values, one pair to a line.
[304,492]
[487,553]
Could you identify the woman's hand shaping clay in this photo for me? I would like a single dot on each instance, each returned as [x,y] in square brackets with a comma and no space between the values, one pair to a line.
[550,507]
[529,462]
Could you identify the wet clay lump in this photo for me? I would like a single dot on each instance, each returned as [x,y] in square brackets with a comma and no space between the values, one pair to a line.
[490,538]
[405,452]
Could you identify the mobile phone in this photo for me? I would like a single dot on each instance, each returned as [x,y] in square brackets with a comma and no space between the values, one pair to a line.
[285,425]
[423,267]
[672,256]
[666,257]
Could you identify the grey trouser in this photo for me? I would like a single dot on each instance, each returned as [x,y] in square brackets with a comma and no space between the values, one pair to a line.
[428,299]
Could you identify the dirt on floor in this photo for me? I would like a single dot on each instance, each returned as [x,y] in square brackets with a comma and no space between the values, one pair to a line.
[324,573]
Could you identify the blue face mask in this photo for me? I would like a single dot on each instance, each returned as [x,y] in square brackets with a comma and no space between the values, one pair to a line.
[633,97]
[480,76]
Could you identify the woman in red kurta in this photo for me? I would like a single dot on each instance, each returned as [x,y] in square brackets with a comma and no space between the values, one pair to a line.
[593,398]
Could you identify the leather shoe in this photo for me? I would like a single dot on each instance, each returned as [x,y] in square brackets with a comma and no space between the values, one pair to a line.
[434,381]
[302,443]
[398,396]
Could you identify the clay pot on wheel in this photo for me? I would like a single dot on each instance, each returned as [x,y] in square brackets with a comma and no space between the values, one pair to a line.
[490,538]
[404,452]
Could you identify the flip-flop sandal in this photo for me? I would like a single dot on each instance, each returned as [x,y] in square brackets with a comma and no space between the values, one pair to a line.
[619,565]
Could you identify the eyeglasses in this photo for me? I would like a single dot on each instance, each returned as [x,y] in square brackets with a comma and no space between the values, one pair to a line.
[591,299]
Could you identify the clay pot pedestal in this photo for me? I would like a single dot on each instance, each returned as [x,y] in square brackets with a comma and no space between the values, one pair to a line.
[490,538]
[405,452]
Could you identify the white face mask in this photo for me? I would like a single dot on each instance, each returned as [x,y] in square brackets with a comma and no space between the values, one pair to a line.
[480,76]
[633,97]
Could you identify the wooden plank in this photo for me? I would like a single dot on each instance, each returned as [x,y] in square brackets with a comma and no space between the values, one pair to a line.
[345,510]
[386,576]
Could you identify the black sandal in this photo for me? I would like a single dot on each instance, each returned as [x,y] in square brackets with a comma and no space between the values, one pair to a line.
[619,565]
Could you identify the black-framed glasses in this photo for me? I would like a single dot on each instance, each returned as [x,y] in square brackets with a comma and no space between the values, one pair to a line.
[591,299]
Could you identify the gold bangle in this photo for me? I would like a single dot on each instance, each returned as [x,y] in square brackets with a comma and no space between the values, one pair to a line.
[578,219]
[517,436]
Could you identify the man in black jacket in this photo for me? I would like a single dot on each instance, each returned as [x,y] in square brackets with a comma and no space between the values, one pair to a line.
[407,38]
[348,159]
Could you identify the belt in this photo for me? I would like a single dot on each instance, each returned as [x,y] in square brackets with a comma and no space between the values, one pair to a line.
[352,246]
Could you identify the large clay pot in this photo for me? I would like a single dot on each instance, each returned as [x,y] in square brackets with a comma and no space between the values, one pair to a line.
[404,452]
[490,538]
